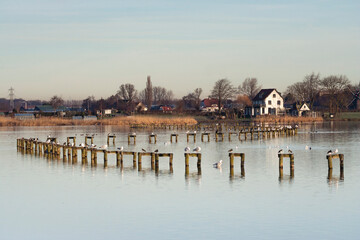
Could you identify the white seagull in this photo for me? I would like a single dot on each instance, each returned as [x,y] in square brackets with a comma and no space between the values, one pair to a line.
[218,164]
[104,147]
[197,149]
[121,148]
[187,149]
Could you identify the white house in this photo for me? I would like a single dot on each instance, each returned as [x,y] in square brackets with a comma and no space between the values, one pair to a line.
[266,102]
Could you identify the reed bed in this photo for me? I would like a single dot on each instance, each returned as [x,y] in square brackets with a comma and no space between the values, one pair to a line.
[120,121]
[287,119]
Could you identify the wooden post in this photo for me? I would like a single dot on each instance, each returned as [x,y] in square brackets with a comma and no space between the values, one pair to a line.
[105,158]
[118,156]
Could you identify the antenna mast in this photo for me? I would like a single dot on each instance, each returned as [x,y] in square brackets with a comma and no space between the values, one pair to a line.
[11,95]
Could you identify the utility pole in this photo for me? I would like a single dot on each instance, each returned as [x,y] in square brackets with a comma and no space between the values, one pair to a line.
[11,96]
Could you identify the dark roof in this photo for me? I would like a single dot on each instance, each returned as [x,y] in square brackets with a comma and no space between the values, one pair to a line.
[264,93]
[49,108]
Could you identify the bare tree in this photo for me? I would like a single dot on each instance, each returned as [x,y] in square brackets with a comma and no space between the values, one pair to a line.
[162,96]
[306,90]
[223,89]
[56,102]
[335,87]
[142,96]
[149,93]
[193,99]
[311,87]
[127,92]
[250,87]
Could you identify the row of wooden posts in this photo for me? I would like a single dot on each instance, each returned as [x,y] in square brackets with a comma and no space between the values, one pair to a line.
[219,136]
[200,126]
[33,146]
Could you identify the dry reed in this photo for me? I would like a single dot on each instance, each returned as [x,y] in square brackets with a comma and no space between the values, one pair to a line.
[121,121]
[287,119]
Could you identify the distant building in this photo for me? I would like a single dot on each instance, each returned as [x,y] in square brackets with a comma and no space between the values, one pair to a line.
[209,105]
[266,102]
[24,116]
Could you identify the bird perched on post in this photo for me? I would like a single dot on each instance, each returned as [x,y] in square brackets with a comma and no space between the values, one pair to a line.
[104,147]
[230,150]
[329,152]
[290,151]
[218,164]
[143,150]
[157,150]
[280,151]
[197,149]
[187,149]
[121,148]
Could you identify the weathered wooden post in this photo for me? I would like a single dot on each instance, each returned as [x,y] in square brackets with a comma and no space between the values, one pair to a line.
[152,136]
[131,136]
[113,137]
[105,158]
[174,135]
[118,157]
[91,139]
[281,163]
[242,164]
[191,134]
[217,134]
[341,159]
[205,134]
[187,155]
[73,139]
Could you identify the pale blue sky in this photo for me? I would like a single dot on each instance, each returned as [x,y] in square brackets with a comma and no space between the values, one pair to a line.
[79,48]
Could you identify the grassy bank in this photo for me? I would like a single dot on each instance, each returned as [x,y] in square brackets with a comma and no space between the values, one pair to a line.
[119,121]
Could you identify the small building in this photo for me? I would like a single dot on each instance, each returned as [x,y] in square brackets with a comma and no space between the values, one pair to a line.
[266,102]
[209,105]
[302,109]
[24,116]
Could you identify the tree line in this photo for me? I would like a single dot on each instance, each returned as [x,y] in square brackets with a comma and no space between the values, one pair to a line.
[336,89]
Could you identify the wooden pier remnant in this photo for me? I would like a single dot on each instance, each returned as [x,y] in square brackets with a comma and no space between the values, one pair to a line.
[217,134]
[191,134]
[281,163]
[205,134]
[330,157]
[152,157]
[187,160]
[151,137]
[68,139]
[111,136]
[91,139]
[132,136]
[174,135]
[169,155]
[242,165]
[231,133]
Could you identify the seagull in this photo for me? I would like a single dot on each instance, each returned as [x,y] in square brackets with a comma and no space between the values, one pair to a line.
[230,150]
[143,150]
[187,149]
[104,146]
[218,164]
[197,149]
[290,151]
[336,151]
[329,153]
[121,148]
[82,145]
[280,151]
[307,147]
[157,150]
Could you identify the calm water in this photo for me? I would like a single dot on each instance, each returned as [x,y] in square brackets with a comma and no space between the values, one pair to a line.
[49,199]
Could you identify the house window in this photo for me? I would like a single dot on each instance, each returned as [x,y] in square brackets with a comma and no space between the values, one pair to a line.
[278,102]
[274,95]
[269,102]
[263,110]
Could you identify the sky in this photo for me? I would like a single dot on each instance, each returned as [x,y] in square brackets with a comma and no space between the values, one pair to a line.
[79,48]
